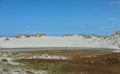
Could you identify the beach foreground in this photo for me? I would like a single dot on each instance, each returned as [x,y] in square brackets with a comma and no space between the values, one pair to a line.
[59,61]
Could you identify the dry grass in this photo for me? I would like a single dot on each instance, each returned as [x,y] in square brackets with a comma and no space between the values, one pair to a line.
[67,52]
[103,63]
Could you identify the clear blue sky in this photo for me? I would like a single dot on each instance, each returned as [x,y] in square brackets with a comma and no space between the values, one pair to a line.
[59,17]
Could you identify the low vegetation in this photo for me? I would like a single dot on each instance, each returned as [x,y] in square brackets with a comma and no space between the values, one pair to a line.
[69,35]
[106,63]
[40,35]
[6,39]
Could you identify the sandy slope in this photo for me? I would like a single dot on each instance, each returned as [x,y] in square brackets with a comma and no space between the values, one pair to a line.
[51,41]
[81,40]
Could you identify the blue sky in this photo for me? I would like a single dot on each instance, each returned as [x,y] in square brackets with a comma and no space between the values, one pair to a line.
[59,17]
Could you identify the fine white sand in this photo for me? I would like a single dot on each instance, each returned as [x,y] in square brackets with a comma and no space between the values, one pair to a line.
[52,41]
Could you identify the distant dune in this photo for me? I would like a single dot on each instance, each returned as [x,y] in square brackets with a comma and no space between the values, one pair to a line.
[41,40]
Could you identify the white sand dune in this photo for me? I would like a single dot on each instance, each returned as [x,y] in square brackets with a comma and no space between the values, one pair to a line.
[65,41]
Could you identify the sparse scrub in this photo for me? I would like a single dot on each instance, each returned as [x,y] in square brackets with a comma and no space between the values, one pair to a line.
[4,60]
[68,34]
[7,39]
[77,65]
[40,35]
[86,36]
[29,72]
[22,35]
